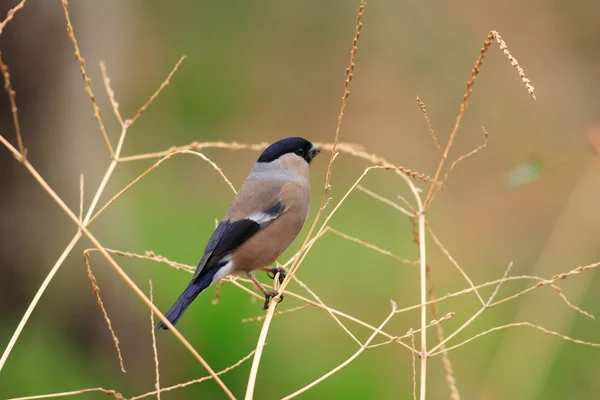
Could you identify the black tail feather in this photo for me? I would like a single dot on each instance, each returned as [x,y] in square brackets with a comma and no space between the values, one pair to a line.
[189,294]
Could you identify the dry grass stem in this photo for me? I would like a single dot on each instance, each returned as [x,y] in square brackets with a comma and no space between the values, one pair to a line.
[111,94]
[81,193]
[96,290]
[159,162]
[571,305]
[372,247]
[414,367]
[150,256]
[431,131]
[463,105]
[335,318]
[461,158]
[477,314]
[163,85]
[439,336]
[517,324]
[453,262]
[289,310]
[514,63]
[86,80]
[218,292]
[389,202]
[12,98]
[11,14]
[411,332]
[154,349]
[194,381]
[112,393]
[349,360]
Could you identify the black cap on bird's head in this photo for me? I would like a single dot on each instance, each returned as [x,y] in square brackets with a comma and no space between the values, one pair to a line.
[295,145]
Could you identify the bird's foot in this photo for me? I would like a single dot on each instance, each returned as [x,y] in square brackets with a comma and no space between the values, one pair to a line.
[269,296]
[272,272]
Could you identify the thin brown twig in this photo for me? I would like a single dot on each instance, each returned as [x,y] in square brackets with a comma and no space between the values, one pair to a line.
[348,361]
[111,94]
[516,324]
[411,331]
[159,162]
[163,85]
[96,290]
[477,314]
[453,262]
[218,292]
[414,366]
[463,105]
[81,193]
[514,63]
[13,104]
[289,310]
[112,393]
[335,318]
[439,335]
[372,247]
[389,202]
[461,158]
[154,349]
[439,331]
[11,14]
[194,381]
[86,79]
[429,126]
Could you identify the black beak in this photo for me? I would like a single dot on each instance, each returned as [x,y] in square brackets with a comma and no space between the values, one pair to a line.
[314,151]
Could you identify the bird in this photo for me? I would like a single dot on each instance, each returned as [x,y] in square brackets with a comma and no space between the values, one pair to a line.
[264,218]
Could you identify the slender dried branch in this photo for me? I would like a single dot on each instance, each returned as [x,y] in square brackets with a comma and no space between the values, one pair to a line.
[112,393]
[12,95]
[372,247]
[163,85]
[517,324]
[96,290]
[154,349]
[86,79]
[111,94]
[289,310]
[431,131]
[453,262]
[11,14]
[81,193]
[477,314]
[463,105]
[159,162]
[398,207]
[414,367]
[194,381]
[348,361]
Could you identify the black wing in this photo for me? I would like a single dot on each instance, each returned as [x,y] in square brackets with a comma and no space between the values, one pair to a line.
[230,235]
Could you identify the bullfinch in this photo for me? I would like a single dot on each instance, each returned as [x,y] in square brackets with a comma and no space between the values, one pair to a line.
[263,220]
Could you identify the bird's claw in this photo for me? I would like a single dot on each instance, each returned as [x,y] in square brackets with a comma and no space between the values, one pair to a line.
[273,273]
[269,296]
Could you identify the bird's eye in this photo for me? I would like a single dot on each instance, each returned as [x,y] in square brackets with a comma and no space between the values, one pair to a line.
[300,152]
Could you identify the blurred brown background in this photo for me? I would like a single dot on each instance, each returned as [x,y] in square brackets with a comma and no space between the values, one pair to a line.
[257,72]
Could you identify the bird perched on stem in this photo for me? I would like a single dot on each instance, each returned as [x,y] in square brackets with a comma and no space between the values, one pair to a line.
[263,220]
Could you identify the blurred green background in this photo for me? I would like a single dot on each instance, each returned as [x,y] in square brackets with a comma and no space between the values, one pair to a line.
[259,71]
